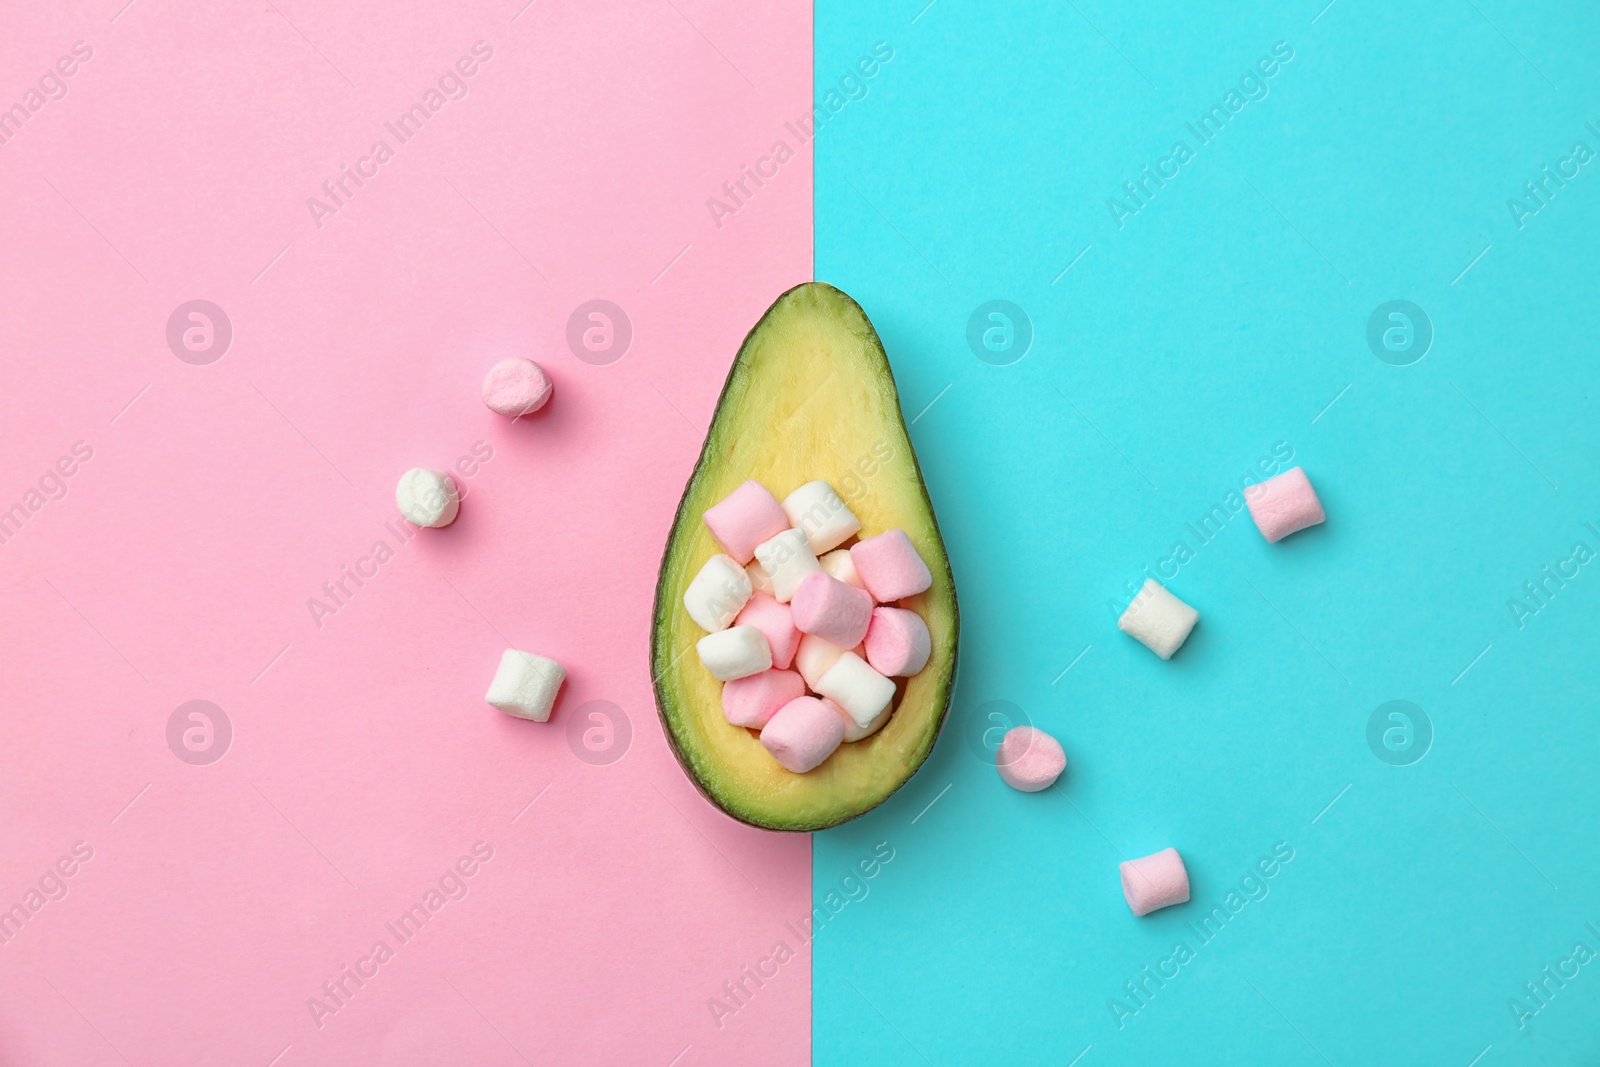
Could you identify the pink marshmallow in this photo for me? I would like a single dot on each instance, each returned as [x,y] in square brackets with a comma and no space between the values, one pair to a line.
[803,733]
[776,621]
[744,519]
[890,566]
[1155,881]
[898,643]
[1029,759]
[753,700]
[1284,504]
[516,386]
[825,607]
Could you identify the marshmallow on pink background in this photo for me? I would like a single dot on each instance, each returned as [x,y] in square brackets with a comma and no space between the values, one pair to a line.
[1284,505]
[777,622]
[827,608]
[1029,759]
[744,518]
[803,733]
[1155,881]
[898,643]
[890,567]
[754,699]
[516,386]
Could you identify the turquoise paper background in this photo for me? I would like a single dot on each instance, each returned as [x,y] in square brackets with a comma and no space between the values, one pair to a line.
[1223,318]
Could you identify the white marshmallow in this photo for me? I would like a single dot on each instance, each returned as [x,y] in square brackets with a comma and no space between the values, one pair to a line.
[862,692]
[788,560]
[760,580]
[841,565]
[736,652]
[817,509]
[717,593]
[427,497]
[1158,619]
[525,685]
[814,657]
[853,732]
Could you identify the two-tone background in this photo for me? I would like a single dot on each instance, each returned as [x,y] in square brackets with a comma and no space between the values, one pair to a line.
[255,257]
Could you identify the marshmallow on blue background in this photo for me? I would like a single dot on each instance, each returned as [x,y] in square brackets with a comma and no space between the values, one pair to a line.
[1155,881]
[1029,759]
[1283,505]
[1159,620]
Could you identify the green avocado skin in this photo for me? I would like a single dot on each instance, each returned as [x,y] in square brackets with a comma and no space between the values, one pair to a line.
[697,765]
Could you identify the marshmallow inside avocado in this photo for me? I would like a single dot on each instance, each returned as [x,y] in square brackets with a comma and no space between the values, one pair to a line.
[810,396]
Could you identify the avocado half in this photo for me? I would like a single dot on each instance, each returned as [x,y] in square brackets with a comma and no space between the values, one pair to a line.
[810,396]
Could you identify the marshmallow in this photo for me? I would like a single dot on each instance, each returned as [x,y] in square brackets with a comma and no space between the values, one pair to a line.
[776,621]
[516,387]
[1284,504]
[716,595]
[1155,881]
[827,608]
[862,692]
[838,564]
[898,643]
[427,497]
[744,518]
[814,657]
[752,700]
[525,685]
[890,567]
[803,733]
[856,732]
[1029,759]
[817,509]
[1158,619]
[788,560]
[760,580]
[734,653]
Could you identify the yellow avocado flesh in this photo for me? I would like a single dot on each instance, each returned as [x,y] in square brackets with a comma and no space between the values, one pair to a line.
[810,396]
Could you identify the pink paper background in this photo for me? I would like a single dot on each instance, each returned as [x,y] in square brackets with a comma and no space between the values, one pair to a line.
[179,563]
